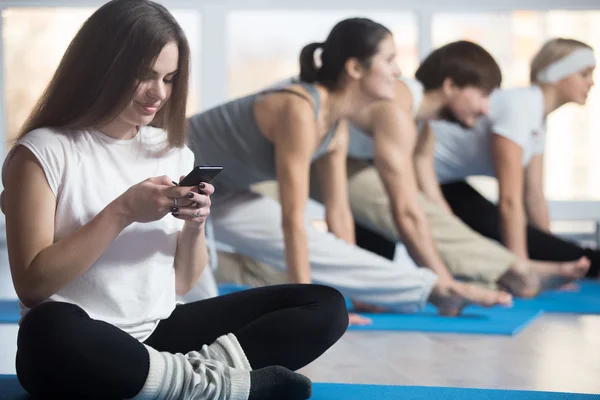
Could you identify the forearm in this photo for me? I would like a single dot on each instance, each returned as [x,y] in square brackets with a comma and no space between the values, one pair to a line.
[62,262]
[537,213]
[341,224]
[513,227]
[296,253]
[417,237]
[191,257]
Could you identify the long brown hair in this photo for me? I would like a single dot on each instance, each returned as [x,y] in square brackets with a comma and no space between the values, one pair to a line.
[96,78]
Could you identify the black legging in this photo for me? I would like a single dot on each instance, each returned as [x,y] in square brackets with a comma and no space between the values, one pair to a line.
[63,353]
[483,216]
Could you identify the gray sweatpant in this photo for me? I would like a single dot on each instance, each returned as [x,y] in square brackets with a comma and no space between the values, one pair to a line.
[251,224]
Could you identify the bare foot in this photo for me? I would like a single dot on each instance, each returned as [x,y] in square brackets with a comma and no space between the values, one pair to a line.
[355,319]
[368,308]
[530,278]
[521,280]
[450,297]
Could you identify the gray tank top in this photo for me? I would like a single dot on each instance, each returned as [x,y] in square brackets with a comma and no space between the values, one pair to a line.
[229,135]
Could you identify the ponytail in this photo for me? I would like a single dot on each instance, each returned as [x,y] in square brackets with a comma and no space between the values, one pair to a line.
[308,68]
[351,38]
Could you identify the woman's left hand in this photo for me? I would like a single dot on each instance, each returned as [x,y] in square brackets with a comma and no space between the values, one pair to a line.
[194,207]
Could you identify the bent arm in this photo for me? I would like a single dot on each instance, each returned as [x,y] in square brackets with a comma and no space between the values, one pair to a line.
[295,140]
[425,169]
[536,205]
[333,180]
[40,267]
[395,135]
[507,156]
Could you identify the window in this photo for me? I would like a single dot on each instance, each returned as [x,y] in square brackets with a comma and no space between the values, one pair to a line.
[572,169]
[34,42]
[264,46]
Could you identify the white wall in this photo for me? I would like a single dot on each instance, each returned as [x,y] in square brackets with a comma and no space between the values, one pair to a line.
[213,38]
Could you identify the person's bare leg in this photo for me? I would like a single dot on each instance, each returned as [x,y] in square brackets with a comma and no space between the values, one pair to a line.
[528,278]
[451,296]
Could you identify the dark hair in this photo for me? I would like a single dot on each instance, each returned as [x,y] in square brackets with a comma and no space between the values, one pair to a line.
[96,78]
[351,38]
[466,63]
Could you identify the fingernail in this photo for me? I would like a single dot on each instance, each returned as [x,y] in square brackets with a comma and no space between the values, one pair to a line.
[202,186]
[190,195]
[174,209]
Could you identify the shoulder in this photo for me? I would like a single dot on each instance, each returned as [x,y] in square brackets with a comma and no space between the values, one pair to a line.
[404,96]
[49,137]
[49,147]
[289,107]
[517,99]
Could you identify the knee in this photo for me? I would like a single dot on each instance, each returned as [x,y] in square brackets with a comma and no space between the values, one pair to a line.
[332,312]
[47,319]
[43,334]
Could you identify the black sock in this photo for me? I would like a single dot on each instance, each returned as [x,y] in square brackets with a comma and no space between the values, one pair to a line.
[276,383]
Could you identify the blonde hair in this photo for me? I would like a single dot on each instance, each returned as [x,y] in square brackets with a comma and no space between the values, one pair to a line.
[553,50]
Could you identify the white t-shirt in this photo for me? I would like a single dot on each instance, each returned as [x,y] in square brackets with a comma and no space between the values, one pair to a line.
[132,284]
[516,114]
[361,145]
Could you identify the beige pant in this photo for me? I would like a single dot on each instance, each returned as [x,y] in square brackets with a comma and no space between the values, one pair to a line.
[467,254]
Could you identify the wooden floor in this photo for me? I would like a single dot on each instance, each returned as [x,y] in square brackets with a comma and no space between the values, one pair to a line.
[556,353]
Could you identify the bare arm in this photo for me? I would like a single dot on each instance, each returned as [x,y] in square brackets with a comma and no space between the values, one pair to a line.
[395,135]
[295,140]
[40,267]
[192,255]
[535,202]
[425,169]
[333,180]
[507,157]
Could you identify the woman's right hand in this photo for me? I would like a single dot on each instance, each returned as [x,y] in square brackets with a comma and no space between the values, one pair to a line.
[151,199]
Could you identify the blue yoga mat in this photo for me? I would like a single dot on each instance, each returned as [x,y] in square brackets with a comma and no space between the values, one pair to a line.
[585,299]
[10,389]
[493,321]
[329,391]
[477,320]
[9,311]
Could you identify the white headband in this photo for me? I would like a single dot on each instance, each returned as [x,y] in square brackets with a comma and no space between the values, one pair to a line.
[578,60]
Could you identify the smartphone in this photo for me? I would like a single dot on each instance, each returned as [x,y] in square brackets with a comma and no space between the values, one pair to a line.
[201,174]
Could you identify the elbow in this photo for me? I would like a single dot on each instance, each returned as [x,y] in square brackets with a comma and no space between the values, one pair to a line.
[185,281]
[292,224]
[181,289]
[28,297]
[535,199]
[30,302]
[510,203]
[409,219]
[509,206]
